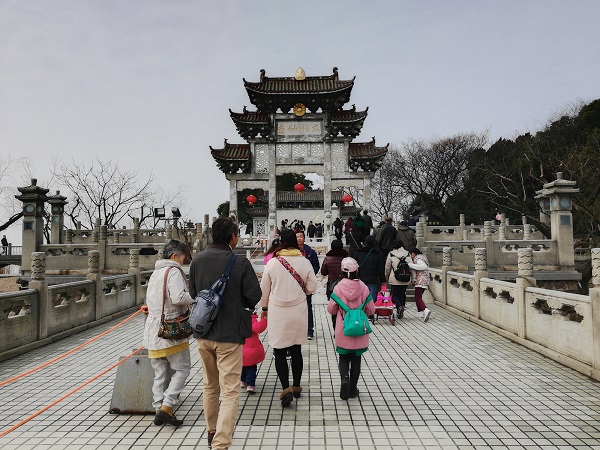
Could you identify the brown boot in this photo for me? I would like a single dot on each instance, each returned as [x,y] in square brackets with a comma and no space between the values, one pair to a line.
[297,390]
[286,396]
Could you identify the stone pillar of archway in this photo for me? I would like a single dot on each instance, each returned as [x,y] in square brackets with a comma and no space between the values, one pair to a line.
[367,193]
[272,186]
[233,198]
[327,183]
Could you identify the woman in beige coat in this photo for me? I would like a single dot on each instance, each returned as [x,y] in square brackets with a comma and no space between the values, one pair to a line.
[286,280]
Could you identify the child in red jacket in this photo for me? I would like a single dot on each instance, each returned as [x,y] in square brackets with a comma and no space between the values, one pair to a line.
[253,352]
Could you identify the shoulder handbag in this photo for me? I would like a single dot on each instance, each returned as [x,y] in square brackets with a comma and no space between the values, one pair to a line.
[178,328]
[207,302]
[292,272]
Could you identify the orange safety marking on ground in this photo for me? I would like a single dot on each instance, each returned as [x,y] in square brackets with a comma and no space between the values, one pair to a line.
[35,369]
[68,394]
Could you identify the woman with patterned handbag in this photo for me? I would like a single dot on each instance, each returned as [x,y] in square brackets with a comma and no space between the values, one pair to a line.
[168,302]
[286,280]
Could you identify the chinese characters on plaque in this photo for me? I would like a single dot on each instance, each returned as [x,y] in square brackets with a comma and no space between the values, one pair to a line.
[295,128]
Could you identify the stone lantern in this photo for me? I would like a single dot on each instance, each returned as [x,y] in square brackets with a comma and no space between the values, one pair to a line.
[33,198]
[57,208]
[559,194]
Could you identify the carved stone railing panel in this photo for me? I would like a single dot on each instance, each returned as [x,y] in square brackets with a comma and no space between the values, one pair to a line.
[460,291]
[560,321]
[119,293]
[18,318]
[496,304]
[70,305]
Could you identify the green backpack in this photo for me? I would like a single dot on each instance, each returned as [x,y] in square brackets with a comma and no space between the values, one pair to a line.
[356,322]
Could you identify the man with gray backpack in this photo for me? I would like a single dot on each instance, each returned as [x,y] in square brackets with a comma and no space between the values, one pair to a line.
[221,348]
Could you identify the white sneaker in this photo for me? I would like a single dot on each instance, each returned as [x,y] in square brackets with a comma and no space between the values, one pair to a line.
[426,314]
[420,314]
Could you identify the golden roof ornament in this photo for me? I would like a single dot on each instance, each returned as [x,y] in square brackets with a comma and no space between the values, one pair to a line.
[300,74]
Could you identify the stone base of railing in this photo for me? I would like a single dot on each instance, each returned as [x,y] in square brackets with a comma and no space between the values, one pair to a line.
[574,364]
[40,343]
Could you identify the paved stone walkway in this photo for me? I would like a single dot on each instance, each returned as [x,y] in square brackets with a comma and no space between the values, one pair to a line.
[441,385]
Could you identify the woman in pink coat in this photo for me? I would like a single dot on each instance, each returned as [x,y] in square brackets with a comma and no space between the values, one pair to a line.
[253,353]
[353,293]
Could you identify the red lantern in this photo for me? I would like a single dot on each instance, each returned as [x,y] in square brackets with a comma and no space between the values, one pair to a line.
[251,199]
[299,187]
[347,198]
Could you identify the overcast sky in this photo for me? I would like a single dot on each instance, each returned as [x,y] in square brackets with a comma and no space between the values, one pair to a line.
[149,83]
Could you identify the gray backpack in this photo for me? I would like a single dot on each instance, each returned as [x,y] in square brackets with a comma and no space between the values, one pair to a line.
[207,302]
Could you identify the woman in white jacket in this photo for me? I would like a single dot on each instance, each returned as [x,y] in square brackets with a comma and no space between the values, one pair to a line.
[398,288]
[420,265]
[168,356]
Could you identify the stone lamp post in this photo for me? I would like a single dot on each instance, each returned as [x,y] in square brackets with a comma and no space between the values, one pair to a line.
[33,198]
[57,208]
[560,192]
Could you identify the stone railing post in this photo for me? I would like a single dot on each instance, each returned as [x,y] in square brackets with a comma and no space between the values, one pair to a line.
[198,239]
[423,221]
[489,242]
[95,276]
[462,225]
[479,273]
[209,232]
[69,236]
[502,232]
[446,266]
[487,228]
[465,235]
[116,237]
[134,269]
[135,235]
[39,283]
[526,232]
[96,231]
[102,241]
[595,304]
[420,235]
[524,280]
[168,232]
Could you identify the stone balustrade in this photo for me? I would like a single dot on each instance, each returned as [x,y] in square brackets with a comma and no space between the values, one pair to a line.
[34,317]
[501,255]
[560,325]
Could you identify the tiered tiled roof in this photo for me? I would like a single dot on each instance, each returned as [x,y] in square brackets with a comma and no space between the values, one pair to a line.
[348,122]
[251,123]
[232,157]
[282,93]
[365,156]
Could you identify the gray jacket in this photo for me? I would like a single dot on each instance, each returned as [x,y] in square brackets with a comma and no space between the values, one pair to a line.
[233,323]
[407,236]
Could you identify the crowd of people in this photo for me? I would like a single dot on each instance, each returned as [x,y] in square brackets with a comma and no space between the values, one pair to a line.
[312,230]
[281,304]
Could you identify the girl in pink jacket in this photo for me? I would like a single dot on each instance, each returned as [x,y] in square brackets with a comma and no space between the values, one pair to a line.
[353,293]
[253,353]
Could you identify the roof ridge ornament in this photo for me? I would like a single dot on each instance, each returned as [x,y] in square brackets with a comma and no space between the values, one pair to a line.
[263,76]
[335,75]
[300,74]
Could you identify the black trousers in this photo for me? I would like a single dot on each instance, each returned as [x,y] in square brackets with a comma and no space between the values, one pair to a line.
[350,365]
[281,365]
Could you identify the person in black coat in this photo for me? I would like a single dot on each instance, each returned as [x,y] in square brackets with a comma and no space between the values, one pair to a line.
[371,266]
[354,237]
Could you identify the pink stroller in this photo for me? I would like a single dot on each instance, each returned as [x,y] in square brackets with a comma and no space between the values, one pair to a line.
[384,307]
